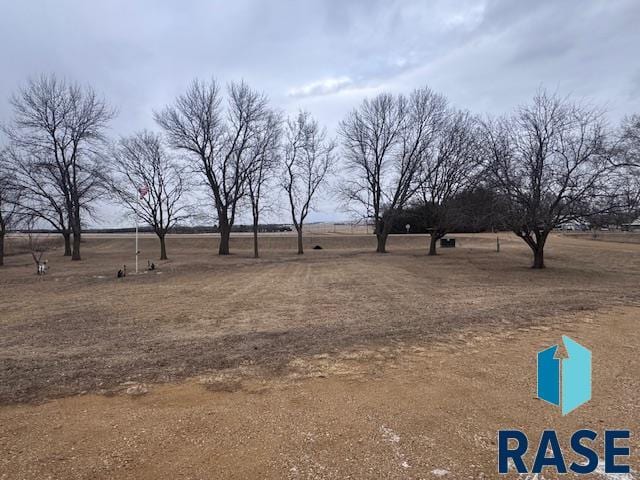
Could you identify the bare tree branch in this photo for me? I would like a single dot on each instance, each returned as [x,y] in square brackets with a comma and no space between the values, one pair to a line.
[218,141]
[149,183]
[385,142]
[308,159]
[551,163]
[57,136]
[450,167]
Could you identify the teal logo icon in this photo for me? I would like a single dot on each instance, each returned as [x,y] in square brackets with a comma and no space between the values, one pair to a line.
[565,382]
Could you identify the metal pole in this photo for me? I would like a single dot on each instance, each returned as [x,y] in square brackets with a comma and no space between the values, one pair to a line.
[137,249]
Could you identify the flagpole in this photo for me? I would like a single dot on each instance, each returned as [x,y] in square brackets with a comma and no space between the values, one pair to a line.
[137,250]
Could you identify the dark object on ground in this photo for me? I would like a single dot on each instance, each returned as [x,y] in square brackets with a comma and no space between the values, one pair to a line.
[317,247]
[448,243]
[151,266]
[122,272]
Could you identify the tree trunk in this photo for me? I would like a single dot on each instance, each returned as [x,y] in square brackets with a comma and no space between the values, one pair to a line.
[433,241]
[1,248]
[163,248]
[76,227]
[225,233]
[538,248]
[75,254]
[382,233]
[300,249]
[538,256]
[382,242]
[256,253]
[67,243]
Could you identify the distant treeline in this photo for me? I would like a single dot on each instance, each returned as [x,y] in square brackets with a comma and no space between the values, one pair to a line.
[471,211]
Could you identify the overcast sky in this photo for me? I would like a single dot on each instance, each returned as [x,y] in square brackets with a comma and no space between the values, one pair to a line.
[326,56]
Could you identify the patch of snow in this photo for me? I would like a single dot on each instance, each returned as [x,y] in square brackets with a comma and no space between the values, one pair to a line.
[393,438]
[389,435]
[440,472]
[612,476]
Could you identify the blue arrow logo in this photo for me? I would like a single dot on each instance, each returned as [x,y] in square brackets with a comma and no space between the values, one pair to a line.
[565,382]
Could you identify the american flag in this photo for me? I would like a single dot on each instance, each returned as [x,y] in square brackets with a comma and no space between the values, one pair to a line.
[143,190]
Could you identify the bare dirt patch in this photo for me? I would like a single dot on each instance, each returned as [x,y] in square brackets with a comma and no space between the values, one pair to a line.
[409,411]
[82,330]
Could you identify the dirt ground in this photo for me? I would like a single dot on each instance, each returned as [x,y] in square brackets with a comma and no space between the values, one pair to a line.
[338,364]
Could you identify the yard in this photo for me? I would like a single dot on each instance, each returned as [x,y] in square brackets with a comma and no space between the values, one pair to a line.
[339,363]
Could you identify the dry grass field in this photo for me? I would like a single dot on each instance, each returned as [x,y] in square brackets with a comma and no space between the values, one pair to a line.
[337,364]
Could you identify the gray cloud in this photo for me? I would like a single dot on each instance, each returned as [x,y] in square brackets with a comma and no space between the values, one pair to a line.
[325,86]
[486,55]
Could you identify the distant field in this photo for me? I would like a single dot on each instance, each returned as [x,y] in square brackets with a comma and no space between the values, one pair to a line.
[619,237]
[251,351]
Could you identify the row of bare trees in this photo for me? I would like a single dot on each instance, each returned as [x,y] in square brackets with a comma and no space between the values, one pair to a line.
[401,149]
[242,148]
[548,162]
[232,143]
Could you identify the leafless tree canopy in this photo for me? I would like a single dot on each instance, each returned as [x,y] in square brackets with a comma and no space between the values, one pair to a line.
[550,161]
[219,141]
[10,193]
[308,158]
[43,193]
[385,142]
[451,166]
[264,159]
[57,136]
[140,165]
[629,147]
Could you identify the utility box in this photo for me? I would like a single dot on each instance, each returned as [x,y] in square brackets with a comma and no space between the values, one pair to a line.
[448,243]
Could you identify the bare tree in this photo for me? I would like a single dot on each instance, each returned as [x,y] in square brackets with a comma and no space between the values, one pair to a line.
[549,161]
[149,182]
[629,142]
[219,142]
[622,205]
[384,142]
[59,127]
[449,168]
[308,159]
[9,203]
[43,192]
[264,159]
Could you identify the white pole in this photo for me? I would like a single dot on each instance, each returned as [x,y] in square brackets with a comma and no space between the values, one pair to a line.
[137,250]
